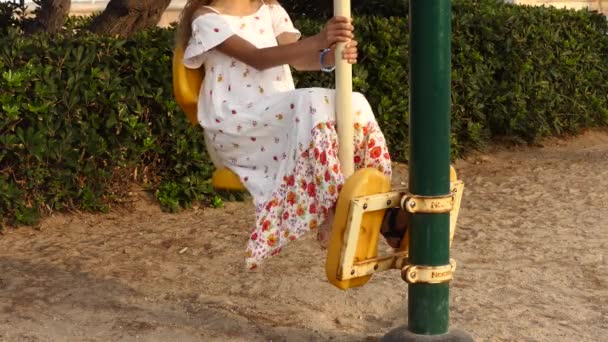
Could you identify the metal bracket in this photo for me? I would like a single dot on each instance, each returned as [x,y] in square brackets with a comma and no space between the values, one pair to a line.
[351,268]
[415,274]
[428,204]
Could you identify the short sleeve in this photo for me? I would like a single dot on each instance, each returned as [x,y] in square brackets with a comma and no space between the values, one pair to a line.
[281,22]
[208,31]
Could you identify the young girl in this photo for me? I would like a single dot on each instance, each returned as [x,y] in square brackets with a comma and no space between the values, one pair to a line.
[281,141]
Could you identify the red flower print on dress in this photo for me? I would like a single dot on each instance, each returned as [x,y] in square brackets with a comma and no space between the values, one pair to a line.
[216,29]
[323,158]
[271,204]
[265,225]
[331,189]
[376,152]
[312,209]
[311,189]
[291,198]
[313,224]
[291,180]
[272,240]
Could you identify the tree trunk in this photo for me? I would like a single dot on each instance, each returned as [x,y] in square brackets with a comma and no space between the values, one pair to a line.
[126,17]
[50,15]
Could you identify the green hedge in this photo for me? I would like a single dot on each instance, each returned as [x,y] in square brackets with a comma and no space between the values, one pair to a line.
[323,9]
[83,116]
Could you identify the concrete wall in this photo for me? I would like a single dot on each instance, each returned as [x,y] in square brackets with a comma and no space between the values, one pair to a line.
[596,5]
[86,7]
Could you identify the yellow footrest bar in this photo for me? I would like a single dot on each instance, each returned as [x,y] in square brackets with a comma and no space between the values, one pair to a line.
[360,245]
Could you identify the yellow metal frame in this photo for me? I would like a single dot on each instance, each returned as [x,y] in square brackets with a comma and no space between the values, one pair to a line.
[351,269]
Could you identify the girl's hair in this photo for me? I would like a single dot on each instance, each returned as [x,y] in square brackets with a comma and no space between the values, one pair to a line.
[184,28]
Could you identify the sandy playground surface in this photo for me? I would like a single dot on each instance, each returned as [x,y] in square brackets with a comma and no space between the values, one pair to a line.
[531,248]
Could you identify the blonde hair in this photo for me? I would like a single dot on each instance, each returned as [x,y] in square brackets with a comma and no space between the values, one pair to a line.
[184,28]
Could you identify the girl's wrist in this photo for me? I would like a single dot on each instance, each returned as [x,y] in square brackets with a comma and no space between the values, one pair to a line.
[319,41]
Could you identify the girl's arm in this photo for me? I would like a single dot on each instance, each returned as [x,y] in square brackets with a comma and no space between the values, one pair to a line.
[337,30]
[311,62]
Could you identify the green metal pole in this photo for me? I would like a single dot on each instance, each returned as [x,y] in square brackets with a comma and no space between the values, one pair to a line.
[429,245]
[430,87]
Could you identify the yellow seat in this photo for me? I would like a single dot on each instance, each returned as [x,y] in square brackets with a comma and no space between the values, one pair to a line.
[186,88]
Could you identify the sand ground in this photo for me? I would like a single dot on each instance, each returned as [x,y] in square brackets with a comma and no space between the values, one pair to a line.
[531,248]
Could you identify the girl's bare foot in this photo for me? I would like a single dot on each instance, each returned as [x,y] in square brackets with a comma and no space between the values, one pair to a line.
[394,226]
[324,231]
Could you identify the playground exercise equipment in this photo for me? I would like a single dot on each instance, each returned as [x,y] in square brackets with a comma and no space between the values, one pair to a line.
[352,255]
[432,202]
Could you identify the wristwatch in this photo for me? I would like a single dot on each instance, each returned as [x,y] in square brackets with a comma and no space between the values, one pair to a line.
[321,61]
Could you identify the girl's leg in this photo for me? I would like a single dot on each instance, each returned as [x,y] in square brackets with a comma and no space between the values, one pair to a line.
[370,152]
[324,233]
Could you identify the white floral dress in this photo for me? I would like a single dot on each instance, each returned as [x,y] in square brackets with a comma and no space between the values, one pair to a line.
[281,141]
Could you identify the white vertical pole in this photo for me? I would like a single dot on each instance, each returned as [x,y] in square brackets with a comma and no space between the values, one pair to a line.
[344,90]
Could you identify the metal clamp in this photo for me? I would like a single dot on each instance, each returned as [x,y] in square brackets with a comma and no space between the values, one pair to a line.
[414,274]
[428,204]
